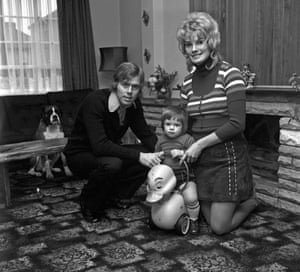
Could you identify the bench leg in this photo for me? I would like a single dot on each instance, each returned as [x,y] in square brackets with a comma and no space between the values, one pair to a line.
[5,200]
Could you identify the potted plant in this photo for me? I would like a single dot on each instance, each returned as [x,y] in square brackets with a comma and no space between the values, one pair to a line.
[160,82]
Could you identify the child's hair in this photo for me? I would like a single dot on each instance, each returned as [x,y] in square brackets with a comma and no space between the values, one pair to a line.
[175,112]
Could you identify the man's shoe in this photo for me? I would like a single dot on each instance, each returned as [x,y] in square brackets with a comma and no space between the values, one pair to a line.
[120,203]
[194,228]
[125,203]
[88,215]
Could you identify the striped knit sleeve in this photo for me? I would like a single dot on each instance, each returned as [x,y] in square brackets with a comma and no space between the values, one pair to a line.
[236,102]
[234,84]
[186,88]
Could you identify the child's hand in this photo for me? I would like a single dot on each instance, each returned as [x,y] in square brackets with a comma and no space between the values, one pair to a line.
[161,155]
[176,153]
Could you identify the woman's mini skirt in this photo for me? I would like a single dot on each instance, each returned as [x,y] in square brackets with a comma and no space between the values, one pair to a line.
[223,173]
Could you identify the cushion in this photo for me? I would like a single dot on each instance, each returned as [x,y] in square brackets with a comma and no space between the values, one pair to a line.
[22,114]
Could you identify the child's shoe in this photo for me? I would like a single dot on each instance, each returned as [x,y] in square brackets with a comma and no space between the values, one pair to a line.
[195,227]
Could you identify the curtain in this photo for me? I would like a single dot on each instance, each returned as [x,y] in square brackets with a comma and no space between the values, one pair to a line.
[29,43]
[77,45]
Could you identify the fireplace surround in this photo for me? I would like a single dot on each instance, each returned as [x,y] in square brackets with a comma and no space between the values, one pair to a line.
[262,133]
[281,103]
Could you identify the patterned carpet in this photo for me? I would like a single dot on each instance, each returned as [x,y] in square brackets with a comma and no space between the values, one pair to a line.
[44,231]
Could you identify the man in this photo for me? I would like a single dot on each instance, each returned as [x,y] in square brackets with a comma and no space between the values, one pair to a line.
[95,151]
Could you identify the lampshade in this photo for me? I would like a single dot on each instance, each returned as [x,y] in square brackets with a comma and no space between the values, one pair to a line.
[112,57]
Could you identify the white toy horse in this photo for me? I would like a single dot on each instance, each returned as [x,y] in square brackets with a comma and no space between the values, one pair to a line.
[168,210]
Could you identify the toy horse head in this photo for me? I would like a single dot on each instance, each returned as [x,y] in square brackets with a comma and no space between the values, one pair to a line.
[161,181]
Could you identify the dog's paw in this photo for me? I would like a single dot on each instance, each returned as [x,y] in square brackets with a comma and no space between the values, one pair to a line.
[68,172]
[49,175]
[56,170]
[32,172]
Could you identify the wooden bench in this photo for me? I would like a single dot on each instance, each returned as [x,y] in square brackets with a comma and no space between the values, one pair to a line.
[20,151]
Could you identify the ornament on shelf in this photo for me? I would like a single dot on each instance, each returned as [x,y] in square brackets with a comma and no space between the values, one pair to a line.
[294,81]
[160,82]
[248,76]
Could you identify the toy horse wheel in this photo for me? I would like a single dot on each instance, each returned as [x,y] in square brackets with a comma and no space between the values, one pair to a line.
[182,226]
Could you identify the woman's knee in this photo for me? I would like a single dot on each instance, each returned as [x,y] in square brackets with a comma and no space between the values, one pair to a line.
[221,217]
[220,227]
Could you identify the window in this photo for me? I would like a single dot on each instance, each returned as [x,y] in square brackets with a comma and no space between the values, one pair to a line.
[29,43]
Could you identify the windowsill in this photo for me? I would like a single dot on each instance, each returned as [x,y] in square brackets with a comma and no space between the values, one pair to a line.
[22,92]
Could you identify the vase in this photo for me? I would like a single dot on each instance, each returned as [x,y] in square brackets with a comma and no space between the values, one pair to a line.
[163,96]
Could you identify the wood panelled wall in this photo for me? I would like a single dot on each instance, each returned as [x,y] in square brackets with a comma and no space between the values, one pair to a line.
[262,33]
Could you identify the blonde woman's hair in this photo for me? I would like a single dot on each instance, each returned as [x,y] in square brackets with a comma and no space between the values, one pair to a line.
[200,25]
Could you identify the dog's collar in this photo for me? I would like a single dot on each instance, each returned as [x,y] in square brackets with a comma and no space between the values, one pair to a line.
[114,103]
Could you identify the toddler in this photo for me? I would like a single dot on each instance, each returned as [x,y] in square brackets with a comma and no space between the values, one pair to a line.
[173,143]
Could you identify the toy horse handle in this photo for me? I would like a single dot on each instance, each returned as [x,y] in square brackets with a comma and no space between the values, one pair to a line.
[187,174]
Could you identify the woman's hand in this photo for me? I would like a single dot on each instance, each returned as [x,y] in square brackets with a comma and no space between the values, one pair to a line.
[192,153]
[150,159]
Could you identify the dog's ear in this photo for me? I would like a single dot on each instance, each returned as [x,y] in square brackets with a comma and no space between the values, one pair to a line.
[43,111]
[44,115]
[58,110]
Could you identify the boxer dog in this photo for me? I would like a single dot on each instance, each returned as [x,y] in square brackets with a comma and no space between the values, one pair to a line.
[49,128]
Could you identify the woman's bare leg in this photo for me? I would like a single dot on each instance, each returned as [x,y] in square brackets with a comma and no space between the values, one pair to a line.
[243,210]
[226,216]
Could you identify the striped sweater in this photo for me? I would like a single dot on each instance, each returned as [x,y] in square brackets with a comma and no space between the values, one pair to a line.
[166,144]
[215,101]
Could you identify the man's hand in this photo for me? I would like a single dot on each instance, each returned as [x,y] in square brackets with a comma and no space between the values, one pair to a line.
[150,159]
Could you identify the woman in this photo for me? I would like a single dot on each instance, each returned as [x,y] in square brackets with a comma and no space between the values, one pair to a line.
[95,150]
[214,93]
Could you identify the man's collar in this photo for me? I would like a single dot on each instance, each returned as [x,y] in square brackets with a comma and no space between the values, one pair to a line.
[114,103]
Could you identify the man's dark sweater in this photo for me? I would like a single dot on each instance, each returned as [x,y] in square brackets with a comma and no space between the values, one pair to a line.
[99,131]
